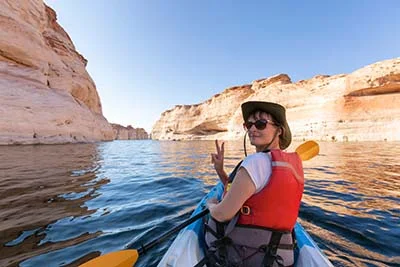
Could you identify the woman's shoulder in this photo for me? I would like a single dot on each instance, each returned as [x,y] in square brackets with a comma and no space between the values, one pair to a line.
[259,156]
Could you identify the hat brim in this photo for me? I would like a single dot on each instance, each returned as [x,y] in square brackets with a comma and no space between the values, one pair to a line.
[276,110]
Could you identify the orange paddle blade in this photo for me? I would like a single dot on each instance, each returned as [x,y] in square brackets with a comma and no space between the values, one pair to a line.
[308,150]
[123,258]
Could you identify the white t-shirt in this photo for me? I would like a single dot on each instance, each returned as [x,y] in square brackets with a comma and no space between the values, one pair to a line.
[259,167]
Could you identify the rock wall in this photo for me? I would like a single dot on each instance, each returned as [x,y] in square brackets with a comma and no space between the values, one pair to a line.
[361,106]
[129,133]
[210,118]
[46,94]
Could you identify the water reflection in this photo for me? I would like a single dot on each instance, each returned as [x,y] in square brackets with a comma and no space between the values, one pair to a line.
[62,205]
[352,198]
[40,185]
[192,159]
[355,182]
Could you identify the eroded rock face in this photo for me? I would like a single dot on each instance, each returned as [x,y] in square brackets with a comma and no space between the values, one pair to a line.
[46,94]
[129,133]
[31,113]
[361,106]
[211,118]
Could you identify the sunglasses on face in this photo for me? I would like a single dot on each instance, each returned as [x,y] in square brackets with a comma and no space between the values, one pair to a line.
[260,124]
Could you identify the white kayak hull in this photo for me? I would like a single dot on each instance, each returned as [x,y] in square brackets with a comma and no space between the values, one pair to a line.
[186,249]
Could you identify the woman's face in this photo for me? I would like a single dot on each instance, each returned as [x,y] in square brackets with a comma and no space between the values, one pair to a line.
[261,138]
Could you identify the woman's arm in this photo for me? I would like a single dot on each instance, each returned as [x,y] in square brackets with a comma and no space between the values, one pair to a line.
[241,189]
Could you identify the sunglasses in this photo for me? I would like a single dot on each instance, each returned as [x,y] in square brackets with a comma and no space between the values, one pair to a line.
[260,124]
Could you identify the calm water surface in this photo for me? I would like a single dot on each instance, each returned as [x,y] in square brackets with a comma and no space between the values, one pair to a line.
[63,204]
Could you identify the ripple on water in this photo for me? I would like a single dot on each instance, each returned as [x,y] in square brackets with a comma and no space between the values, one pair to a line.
[98,198]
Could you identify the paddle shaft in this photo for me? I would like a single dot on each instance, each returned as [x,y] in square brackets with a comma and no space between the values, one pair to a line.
[143,249]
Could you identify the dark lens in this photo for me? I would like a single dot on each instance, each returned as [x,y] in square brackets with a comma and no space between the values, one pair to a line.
[248,124]
[260,124]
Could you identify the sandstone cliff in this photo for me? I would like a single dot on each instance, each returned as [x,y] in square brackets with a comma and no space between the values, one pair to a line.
[361,106]
[129,133]
[46,94]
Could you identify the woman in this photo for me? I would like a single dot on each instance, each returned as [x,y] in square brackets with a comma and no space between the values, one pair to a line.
[252,224]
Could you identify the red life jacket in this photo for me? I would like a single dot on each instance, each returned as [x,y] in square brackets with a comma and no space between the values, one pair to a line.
[261,234]
[277,205]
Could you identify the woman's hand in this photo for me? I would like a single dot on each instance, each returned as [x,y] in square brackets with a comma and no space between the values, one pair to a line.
[218,160]
[211,203]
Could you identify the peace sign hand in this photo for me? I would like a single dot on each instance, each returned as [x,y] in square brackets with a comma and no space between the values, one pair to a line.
[218,160]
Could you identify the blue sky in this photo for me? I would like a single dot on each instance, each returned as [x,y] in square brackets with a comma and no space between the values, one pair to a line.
[148,56]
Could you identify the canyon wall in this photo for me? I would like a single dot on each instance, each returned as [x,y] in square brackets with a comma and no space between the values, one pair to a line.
[129,133]
[361,106]
[46,94]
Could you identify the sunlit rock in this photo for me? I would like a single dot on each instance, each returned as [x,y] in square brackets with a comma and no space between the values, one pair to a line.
[208,119]
[46,94]
[361,106]
[129,133]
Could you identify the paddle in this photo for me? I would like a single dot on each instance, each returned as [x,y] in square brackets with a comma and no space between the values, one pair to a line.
[127,258]
[307,150]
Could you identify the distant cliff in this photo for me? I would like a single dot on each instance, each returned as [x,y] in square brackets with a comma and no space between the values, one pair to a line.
[361,106]
[129,133]
[46,94]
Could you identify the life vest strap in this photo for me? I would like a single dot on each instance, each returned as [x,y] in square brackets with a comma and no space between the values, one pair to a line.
[214,233]
[270,254]
[233,173]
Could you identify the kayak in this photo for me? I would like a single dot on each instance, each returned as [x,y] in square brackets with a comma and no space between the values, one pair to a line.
[187,248]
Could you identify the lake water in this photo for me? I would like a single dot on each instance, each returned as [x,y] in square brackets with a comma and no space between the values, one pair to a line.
[63,204]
